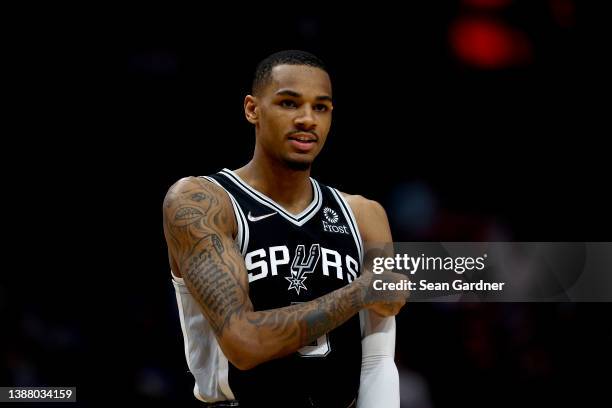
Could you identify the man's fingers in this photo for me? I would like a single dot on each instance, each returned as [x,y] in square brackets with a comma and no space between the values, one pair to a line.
[386,294]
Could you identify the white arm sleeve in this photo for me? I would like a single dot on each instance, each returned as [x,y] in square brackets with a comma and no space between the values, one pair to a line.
[379,383]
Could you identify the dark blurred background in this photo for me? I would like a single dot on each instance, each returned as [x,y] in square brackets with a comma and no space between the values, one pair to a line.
[469,120]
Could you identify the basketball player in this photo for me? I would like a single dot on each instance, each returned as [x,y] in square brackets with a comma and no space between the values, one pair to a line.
[266,262]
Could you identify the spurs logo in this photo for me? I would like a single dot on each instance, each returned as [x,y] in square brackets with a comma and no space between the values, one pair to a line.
[302,266]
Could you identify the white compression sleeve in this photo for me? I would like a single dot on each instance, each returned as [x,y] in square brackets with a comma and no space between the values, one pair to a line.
[379,383]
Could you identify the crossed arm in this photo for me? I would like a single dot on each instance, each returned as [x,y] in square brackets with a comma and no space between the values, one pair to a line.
[199,227]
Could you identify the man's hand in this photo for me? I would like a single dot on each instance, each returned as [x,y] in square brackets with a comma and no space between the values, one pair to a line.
[385,302]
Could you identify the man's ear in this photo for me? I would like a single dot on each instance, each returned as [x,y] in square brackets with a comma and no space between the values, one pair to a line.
[251,109]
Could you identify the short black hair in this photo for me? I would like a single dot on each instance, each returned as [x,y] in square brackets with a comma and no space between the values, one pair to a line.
[263,72]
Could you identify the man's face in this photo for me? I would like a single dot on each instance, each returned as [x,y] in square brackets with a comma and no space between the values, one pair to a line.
[293,114]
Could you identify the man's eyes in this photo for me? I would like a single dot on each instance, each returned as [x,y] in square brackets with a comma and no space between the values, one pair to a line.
[288,103]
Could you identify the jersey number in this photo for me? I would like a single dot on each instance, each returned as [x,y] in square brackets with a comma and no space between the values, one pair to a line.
[319,349]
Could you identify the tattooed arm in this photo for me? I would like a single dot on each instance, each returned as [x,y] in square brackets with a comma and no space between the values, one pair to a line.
[199,226]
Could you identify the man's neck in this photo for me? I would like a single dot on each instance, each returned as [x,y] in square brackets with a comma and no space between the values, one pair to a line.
[288,187]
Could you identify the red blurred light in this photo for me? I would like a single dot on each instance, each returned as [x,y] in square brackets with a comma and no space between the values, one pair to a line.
[489,44]
[563,12]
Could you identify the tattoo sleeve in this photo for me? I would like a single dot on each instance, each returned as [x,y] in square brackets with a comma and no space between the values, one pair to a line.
[198,226]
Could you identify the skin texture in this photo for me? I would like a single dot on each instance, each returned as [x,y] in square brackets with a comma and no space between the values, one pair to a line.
[200,227]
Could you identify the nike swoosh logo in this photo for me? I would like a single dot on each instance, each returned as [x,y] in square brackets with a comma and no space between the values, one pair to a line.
[261,217]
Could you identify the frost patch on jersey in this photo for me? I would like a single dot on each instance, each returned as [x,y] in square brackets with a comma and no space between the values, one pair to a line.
[330,215]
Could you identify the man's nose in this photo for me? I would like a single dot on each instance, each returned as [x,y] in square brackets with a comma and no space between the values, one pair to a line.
[305,118]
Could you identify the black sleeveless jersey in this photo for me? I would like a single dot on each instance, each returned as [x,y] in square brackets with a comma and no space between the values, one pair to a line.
[292,259]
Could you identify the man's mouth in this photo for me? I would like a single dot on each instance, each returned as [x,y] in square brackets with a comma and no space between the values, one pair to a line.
[303,142]
[303,138]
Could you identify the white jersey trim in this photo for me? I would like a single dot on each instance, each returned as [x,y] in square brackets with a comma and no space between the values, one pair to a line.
[179,302]
[354,227]
[223,364]
[176,278]
[299,219]
[224,376]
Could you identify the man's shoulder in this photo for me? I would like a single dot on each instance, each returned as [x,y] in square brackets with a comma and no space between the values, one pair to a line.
[190,183]
[193,199]
[362,206]
[371,218]
[197,189]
